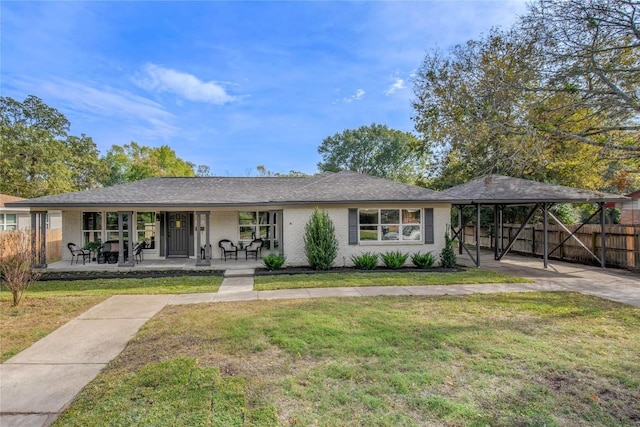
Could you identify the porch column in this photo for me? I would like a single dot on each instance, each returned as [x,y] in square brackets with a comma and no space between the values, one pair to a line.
[125,218]
[39,239]
[203,256]
[280,230]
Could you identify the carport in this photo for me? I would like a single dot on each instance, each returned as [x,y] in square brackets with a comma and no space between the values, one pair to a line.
[499,192]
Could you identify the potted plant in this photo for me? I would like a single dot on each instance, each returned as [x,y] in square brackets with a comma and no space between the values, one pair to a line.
[241,244]
[93,247]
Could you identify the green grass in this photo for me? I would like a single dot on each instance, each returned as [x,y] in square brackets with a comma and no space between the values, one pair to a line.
[108,287]
[48,305]
[332,280]
[501,360]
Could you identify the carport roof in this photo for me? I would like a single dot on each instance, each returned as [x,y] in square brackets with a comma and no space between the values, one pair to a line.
[499,189]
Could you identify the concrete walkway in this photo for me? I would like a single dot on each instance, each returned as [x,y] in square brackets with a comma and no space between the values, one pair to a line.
[40,382]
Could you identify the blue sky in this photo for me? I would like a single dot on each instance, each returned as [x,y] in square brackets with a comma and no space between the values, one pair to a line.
[231,85]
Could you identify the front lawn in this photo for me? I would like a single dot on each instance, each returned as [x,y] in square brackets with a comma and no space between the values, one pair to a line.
[332,280]
[48,305]
[501,360]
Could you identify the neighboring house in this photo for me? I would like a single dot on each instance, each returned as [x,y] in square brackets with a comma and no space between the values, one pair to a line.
[370,214]
[630,209]
[19,218]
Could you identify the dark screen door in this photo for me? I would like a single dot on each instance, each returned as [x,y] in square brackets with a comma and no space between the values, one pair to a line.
[178,237]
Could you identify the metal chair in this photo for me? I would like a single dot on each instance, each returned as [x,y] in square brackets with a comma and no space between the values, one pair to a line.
[254,248]
[77,252]
[228,248]
[137,252]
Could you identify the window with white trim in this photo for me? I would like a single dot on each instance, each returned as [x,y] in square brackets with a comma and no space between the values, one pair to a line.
[384,225]
[8,222]
[91,227]
[146,229]
[258,225]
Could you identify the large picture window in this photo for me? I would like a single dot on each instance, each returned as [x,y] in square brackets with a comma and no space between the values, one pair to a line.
[389,224]
[103,226]
[258,225]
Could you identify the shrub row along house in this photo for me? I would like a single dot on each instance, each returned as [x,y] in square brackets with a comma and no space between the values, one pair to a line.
[187,217]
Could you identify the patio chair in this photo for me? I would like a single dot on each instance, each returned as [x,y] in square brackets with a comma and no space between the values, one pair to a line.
[254,248]
[228,249]
[137,252]
[77,252]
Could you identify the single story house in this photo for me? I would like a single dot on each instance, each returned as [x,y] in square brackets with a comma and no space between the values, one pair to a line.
[187,217]
[19,218]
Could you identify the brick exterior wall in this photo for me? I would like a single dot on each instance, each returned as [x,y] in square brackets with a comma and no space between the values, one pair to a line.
[224,225]
[630,217]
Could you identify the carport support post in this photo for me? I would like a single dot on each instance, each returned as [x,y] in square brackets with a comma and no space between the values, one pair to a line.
[497,228]
[478,206]
[603,236]
[460,231]
[545,247]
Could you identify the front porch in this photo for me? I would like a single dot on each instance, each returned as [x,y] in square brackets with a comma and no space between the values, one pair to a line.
[186,264]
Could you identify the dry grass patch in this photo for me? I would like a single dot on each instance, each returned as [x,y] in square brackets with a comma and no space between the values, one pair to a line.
[36,318]
[504,359]
[48,305]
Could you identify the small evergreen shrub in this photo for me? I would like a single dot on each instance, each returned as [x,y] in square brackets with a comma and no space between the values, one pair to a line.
[394,259]
[273,261]
[320,243]
[425,260]
[365,261]
[448,255]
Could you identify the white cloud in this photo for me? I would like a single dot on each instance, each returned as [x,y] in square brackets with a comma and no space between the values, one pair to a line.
[355,97]
[397,85]
[184,85]
[106,102]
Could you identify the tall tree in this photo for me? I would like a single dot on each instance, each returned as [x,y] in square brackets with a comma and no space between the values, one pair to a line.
[522,102]
[375,150]
[590,49]
[133,162]
[37,156]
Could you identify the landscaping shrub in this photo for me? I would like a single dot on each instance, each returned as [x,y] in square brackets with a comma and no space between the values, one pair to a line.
[423,260]
[365,261]
[16,271]
[320,243]
[273,261]
[448,255]
[394,259]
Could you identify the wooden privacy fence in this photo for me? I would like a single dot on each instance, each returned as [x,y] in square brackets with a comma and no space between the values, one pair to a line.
[622,242]
[54,243]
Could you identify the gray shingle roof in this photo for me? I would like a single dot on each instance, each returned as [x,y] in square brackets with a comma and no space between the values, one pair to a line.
[341,187]
[492,189]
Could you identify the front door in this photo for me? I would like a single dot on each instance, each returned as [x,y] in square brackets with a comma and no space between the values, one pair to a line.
[178,234]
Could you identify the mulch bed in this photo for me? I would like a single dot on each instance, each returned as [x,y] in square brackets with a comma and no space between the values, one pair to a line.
[307,270]
[89,275]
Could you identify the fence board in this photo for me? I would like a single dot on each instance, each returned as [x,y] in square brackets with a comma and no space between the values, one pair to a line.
[54,243]
[622,242]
